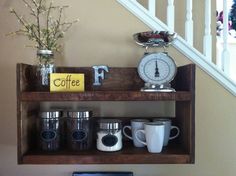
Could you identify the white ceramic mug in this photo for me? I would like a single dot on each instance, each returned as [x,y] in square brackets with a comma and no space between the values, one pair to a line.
[136,124]
[168,128]
[154,134]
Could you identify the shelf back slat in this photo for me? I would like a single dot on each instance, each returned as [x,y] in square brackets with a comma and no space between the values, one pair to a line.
[117,79]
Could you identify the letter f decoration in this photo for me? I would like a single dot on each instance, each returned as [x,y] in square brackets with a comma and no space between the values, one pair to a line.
[99,74]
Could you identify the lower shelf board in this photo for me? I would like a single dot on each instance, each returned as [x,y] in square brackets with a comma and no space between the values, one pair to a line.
[125,156]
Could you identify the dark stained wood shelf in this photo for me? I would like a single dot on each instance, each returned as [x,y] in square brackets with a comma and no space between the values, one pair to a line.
[121,84]
[106,96]
[128,155]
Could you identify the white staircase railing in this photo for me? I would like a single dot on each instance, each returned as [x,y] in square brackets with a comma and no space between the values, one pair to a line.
[189,22]
[152,7]
[171,15]
[185,46]
[225,58]
[207,40]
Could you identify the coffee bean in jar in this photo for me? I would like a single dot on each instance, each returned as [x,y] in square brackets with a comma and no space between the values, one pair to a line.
[79,130]
[49,130]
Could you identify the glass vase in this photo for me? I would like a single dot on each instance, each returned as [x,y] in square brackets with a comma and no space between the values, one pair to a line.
[45,66]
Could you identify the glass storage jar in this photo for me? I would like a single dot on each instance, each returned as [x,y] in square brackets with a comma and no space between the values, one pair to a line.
[45,67]
[49,130]
[79,130]
[109,135]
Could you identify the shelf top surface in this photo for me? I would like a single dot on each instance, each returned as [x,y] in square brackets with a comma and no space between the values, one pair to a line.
[106,96]
[129,155]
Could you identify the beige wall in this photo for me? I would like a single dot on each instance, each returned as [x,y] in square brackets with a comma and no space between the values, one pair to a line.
[103,36]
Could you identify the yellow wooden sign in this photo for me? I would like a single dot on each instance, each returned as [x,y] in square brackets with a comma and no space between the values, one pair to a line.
[66,82]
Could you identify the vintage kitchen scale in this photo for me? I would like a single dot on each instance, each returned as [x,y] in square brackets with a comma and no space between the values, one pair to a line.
[156,69]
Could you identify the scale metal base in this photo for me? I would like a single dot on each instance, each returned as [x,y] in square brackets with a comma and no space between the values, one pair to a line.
[157,88]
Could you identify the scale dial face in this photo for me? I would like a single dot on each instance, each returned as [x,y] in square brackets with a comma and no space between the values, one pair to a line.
[157,68]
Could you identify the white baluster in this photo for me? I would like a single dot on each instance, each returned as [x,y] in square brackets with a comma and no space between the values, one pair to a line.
[171,15]
[189,22]
[207,41]
[225,54]
[152,7]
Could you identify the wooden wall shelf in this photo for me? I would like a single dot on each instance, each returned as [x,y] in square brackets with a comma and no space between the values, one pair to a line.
[181,151]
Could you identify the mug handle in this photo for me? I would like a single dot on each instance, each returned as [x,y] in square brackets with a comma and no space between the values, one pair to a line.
[177,134]
[129,127]
[136,135]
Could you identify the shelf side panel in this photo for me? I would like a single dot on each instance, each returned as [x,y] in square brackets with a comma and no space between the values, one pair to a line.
[26,128]
[185,110]
[185,78]
[25,77]
[185,120]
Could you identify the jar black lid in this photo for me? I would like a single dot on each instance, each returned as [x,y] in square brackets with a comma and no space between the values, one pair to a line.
[109,124]
[50,114]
